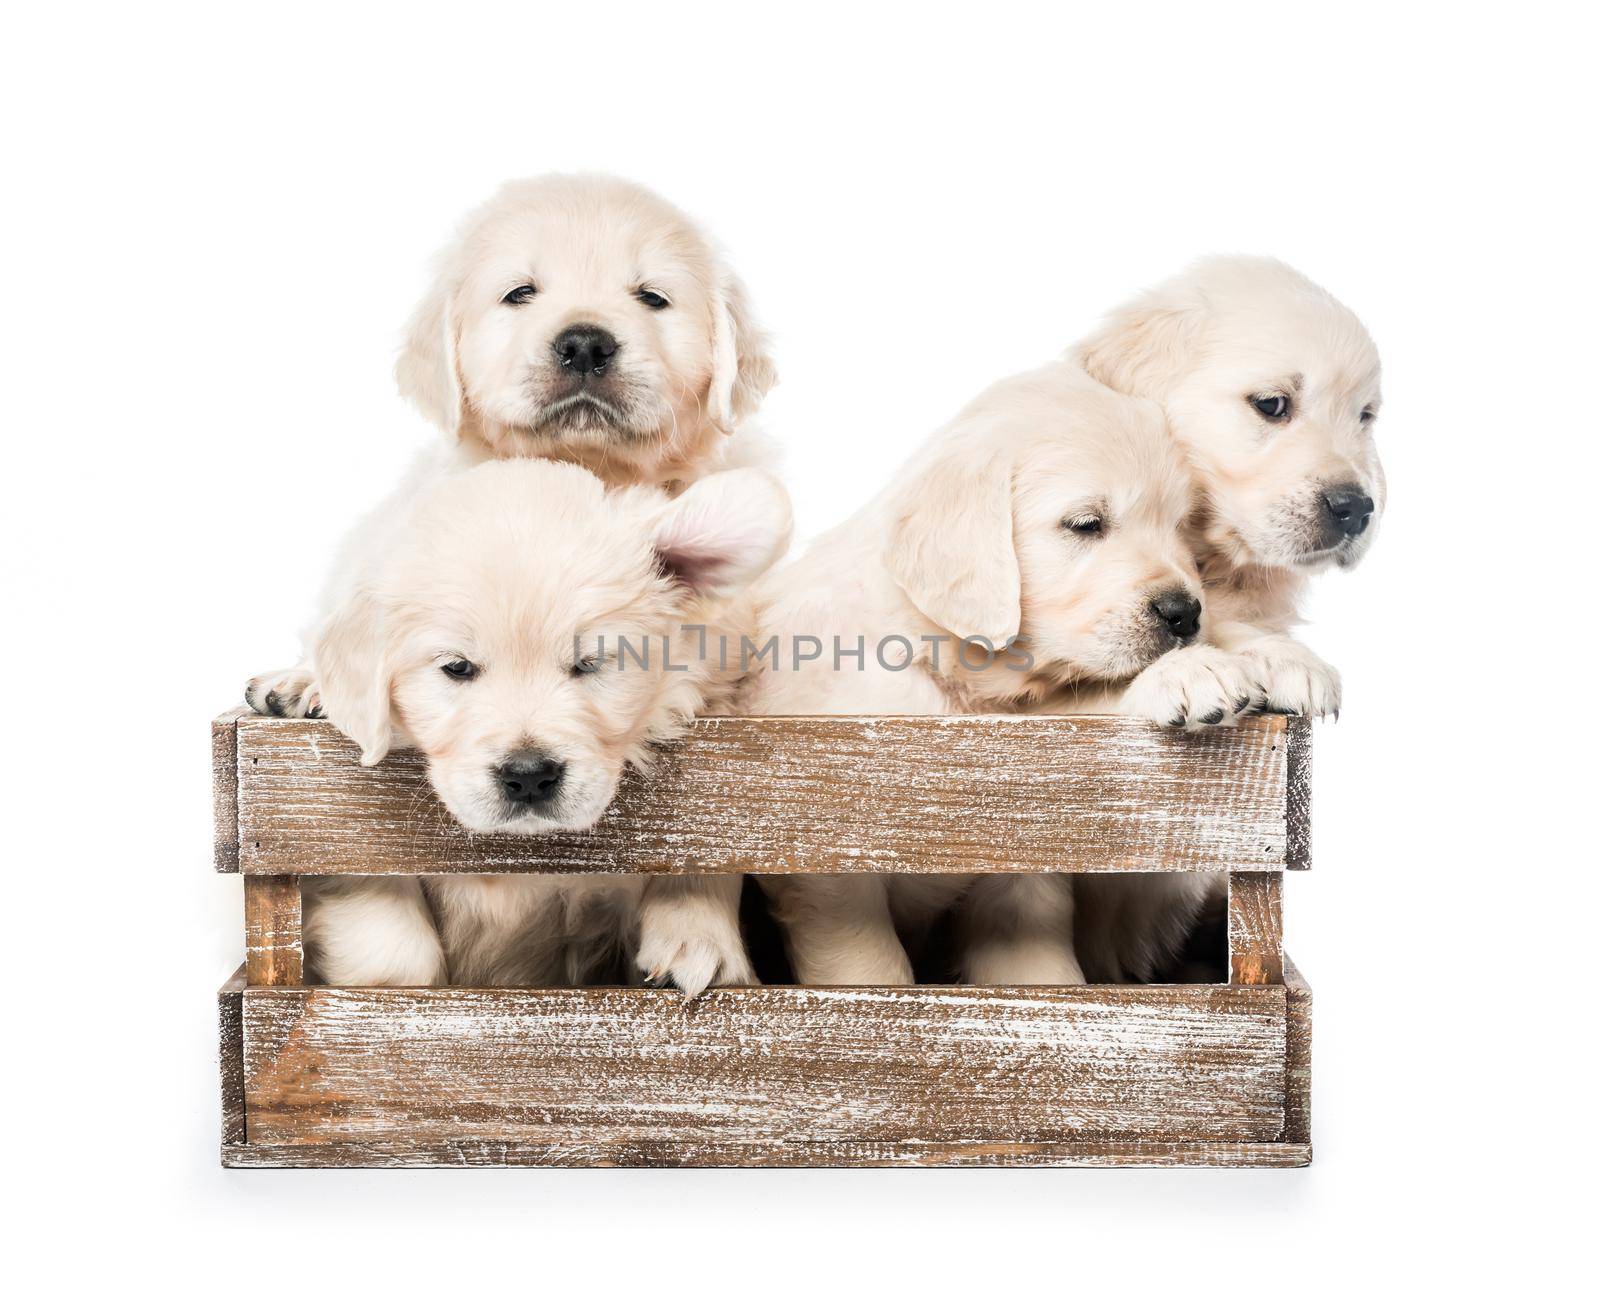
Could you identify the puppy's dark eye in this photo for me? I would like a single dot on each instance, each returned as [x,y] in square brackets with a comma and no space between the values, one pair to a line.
[1088,525]
[1368,414]
[518,295]
[1274,408]
[651,298]
[460,669]
[585,666]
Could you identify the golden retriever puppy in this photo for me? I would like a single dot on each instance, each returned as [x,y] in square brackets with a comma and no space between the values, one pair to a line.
[576,318]
[586,319]
[1036,542]
[1271,386]
[518,632]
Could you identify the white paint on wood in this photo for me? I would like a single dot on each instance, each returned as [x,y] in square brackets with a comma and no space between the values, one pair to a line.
[955,794]
[586,1069]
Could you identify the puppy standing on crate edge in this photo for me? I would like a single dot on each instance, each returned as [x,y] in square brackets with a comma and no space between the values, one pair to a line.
[573,318]
[1271,387]
[530,687]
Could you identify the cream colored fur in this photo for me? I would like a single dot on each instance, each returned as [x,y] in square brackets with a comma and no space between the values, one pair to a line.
[974,539]
[486,374]
[484,371]
[532,572]
[1205,344]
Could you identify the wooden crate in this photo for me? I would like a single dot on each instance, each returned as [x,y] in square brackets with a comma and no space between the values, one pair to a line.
[1213,1075]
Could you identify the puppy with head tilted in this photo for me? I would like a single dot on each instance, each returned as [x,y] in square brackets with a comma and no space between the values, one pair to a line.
[501,634]
[573,318]
[1271,387]
[1044,523]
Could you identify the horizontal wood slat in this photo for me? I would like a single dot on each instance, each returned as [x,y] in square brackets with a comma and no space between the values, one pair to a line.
[782,1074]
[465,1153]
[831,794]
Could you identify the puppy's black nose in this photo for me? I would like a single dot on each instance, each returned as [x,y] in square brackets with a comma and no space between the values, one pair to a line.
[1350,508]
[585,349]
[1180,610]
[530,777]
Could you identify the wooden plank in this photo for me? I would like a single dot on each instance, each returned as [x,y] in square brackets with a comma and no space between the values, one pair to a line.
[230,1057]
[1297,739]
[599,1075]
[336,1156]
[782,794]
[1297,1115]
[272,939]
[225,790]
[1255,928]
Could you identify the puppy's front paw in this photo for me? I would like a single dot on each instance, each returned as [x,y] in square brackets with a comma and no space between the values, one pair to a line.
[684,943]
[1293,679]
[1190,688]
[292,694]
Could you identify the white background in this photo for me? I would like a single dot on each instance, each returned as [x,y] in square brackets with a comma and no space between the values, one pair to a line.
[217,219]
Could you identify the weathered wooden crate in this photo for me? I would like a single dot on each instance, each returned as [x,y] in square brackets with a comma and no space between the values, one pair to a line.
[1213,1075]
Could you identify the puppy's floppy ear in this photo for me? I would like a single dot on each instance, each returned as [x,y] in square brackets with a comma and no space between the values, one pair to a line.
[354,675]
[950,542]
[723,532]
[1144,348]
[426,370]
[742,369]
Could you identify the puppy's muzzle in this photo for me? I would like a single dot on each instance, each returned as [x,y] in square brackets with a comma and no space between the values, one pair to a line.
[1348,510]
[530,778]
[1179,612]
[584,350]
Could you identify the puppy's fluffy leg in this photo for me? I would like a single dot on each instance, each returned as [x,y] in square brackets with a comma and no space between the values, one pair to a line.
[1018,931]
[689,933]
[1132,927]
[371,931]
[838,929]
[1293,678]
[1192,687]
[292,693]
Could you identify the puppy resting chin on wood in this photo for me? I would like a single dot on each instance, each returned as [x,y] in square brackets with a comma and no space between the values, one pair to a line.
[518,631]
[1036,543]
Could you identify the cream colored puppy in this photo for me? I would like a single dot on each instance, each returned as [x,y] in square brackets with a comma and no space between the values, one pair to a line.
[1036,542]
[516,632]
[1271,386]
[576,318]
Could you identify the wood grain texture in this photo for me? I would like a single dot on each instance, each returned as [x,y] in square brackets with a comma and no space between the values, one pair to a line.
[272,933]
[950,794]
[629,1075]
[1297,1114]
[225,790]
[469,1153]
[1255,928]
[230,1058]
[1297,738]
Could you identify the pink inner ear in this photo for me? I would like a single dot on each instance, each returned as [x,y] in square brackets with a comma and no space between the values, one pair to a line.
[696,568]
